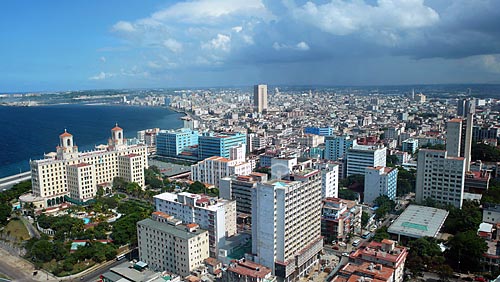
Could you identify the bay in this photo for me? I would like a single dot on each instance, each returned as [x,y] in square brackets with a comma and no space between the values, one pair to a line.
[29,132]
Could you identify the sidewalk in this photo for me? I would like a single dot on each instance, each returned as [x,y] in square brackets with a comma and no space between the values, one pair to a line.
[25,268]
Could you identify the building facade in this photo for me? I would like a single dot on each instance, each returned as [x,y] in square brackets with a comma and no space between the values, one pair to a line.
[170,143]
[339,218]
[215,215]
[211,144]
[323,131]
[410,145]
[72,175]
[440,177]
[211,170]
[336,146]
[260,97]
[359,157]
[167,245]
[286,224]
[329,179]
[380,181]
[239,188]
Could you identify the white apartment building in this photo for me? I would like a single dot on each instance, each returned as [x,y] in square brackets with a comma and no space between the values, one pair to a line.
[380,181]
[215,215]
[212,169]
[286,224]
[359,157]
[239,188]
[329,179]
[167,245]
[260,97]
[454,137]
[74,174]
[282,166]
[440,177]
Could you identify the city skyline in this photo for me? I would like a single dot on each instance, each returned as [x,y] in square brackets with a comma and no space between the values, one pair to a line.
[58,46]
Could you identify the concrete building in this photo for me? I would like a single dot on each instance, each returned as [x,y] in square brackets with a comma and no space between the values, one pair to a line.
[329,179]
[380,181]
[260,97]
[323,131]
[171,143]
[282,166]
[167,245]
[454,137]
[311,140]
[365,271]
[339,218]
[440,177]
[245,270]
[286,224]
[491,213]
[410,145]
[239,188]
[336,146]
[70,175]
[255,142]
[211,170]
[215,215]
[484,133]
[382,255]
[211,144]
[359,157]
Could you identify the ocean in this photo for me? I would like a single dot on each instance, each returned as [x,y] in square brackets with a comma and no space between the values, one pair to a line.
[29,132]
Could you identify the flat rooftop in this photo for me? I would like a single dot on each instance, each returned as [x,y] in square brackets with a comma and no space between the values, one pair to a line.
[176,231]
[419,221]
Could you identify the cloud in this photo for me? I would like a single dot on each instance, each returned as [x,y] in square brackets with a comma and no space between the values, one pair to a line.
[491,62]
[102,59]
[101,76]
[173,45]
[123,26]
[221,42]
[301,46]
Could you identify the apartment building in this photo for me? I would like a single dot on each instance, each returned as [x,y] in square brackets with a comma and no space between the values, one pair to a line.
[329,179]
[211,144]
[440,177]
[339,218]
[211,170]
[336,146]
[380,181]
[286,224]
[166,244]
[171,143]
[359,157]
[218,216]
[239,188]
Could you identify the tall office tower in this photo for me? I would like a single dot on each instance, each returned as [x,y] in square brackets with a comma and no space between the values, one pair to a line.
[380,181]
[167,245]
[466,106]
[336,146]
[359,157]
[260,97]
[459,138]
[215,215]
[440,177]
[286,224]
[454,137]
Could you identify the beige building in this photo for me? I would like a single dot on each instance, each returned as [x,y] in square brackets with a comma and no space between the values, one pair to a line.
[260,97]
[167,245]
[211,170]
[74,174]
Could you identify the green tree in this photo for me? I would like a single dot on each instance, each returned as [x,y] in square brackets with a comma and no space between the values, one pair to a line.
[465,251]
[119,184]
[42,251]
[485,153]
[381,234]
[385,205]
[348,194]
[5,210]
[392,160]
[461,220]
[364,218]
[197,188]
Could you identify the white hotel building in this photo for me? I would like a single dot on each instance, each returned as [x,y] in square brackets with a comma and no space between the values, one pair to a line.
[71,175]
[286,224]
[215,215]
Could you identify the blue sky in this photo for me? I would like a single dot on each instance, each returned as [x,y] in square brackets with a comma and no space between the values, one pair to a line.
[69,45]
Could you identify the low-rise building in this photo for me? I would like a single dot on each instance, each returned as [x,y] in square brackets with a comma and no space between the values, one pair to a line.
[245,270]
[166,244]
[491,213]
[417,222]
[340,217]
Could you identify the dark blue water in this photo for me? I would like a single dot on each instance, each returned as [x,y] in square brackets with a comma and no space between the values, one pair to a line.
[29,132]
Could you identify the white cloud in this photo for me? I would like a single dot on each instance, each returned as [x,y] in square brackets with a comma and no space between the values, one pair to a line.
[205,11]
[173,45]
[491,62]
[123,26]
[301,46]
[101,76]
[221,42]
[102,59]
[237,29]
[340,17]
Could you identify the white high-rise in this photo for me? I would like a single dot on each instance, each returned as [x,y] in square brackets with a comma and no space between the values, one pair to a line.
[440,177]
[329,179]
[260,97]
[286,224]
[359,157]
[454,137]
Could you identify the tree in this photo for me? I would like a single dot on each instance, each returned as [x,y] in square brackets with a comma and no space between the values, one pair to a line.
[348,194]
[197,188]
[5,210]
[42,251]
[461,220]
[392,160]
[485,153]
[465,251]
[364,218]
[119,184]
[385,205]
[381,234]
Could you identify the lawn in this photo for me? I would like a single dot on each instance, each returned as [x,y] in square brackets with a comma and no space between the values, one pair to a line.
[77,268]
[16,228]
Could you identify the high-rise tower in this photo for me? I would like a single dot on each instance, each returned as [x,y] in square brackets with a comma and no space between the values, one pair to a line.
[260,97]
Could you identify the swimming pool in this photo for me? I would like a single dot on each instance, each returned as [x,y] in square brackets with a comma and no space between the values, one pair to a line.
[86,220]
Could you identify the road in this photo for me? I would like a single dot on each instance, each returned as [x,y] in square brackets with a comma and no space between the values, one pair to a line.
[7,182]
[95,275]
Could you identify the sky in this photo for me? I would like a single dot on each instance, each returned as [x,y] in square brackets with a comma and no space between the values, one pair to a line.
[62,45]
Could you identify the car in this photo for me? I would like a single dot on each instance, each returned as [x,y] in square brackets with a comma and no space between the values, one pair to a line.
[345,254]
[342,244]
[356,243]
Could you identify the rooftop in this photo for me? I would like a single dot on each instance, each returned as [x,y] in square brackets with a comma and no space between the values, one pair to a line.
[419,221]
[176,231]
[248,268]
